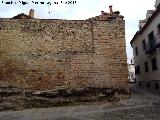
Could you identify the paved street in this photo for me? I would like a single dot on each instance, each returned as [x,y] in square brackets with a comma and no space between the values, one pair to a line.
[141,106]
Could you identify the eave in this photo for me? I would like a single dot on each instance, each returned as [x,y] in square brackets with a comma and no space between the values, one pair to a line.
[150,19]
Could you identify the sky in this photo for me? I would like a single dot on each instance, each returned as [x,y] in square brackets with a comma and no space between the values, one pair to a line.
[132,10]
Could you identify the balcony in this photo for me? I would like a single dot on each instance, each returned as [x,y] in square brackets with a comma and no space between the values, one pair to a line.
[153,44]
[150,49]
[157,41]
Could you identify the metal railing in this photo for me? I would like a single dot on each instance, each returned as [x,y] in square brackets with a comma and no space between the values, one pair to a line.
[151,46]
[157,37]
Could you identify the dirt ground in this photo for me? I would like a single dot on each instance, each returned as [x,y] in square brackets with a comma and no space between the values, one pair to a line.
[141,106]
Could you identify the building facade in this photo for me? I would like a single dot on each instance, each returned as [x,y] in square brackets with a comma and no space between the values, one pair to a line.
[131,72]
[50,54]
[146,49]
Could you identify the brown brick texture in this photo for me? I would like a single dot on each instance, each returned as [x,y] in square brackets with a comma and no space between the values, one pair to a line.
[42,54]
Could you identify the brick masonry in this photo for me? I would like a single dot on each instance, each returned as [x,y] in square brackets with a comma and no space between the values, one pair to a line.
[43,54]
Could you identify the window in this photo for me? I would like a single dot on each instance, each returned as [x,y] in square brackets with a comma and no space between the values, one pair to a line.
[158,29]
[144,45]
[158,36]
[146,67]
[137,70]
[136,51]
[151,40]
[154,64]
[156,86]
[148,85]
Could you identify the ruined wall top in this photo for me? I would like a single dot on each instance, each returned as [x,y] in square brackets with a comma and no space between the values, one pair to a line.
[25,16]
[109,16]
[113,15]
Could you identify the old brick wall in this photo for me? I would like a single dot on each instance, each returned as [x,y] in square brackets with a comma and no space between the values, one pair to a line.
[41,54]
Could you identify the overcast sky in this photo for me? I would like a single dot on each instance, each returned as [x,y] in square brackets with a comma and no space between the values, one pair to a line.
[132,10]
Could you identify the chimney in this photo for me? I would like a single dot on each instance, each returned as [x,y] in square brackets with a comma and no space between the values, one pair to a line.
[31,13]
[110,9]
[102,12]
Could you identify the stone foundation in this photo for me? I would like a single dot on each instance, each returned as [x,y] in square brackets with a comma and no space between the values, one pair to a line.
[13,98]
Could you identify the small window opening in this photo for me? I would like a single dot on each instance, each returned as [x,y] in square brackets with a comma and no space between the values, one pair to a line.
[148,85]
[156,86]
